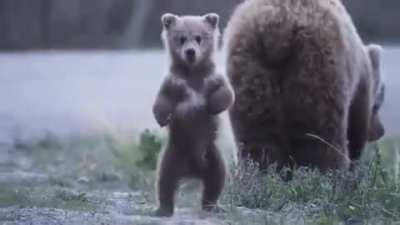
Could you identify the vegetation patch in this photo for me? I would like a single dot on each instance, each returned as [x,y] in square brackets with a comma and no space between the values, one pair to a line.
[44,197]
[370,193]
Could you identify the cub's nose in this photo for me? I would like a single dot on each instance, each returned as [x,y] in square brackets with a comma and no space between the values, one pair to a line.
[190,53]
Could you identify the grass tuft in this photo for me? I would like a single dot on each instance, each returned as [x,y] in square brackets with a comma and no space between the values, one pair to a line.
[370,192]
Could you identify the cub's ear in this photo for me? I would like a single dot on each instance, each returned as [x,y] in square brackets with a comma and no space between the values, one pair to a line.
[212,19]
[375,52]
[168,20]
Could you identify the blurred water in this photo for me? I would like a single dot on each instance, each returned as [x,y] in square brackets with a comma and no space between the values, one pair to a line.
[72,91]
[64,92]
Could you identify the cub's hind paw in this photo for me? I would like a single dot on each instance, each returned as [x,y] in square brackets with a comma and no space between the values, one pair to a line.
[161,212]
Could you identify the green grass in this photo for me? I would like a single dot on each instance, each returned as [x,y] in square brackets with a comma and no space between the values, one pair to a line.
[44,197]
[368,195]
[102,157]
[137,160]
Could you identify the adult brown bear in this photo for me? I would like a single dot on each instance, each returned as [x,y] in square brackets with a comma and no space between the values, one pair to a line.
[304,83]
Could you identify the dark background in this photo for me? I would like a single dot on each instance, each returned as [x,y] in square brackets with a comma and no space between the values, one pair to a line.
[120,24]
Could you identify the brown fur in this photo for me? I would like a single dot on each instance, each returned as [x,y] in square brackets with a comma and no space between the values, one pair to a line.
[189,102]
[302,80]
[377,129]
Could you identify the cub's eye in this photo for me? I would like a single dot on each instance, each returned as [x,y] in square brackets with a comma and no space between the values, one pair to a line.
[182,40]
[198,39]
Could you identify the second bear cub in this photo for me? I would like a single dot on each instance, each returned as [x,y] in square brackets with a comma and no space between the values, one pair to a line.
[189,101]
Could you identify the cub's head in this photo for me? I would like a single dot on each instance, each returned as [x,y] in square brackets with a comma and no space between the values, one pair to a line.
[190,39]
[376,130]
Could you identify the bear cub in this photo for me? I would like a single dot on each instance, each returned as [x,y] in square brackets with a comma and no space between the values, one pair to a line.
[188,103]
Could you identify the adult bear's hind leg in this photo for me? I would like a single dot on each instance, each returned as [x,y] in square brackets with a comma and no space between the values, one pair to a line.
[359,117]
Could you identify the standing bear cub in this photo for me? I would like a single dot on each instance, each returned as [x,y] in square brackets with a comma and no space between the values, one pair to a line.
[189,101]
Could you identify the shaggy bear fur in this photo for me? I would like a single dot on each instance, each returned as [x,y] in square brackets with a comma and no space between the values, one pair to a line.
[189,102]
[303,82]
[377,129]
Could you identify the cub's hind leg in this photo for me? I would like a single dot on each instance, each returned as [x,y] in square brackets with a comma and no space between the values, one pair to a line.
[213,179]
[170,172]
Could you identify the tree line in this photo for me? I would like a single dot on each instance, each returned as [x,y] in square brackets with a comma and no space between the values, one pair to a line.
[43,24]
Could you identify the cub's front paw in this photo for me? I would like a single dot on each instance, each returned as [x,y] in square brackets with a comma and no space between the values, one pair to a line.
[212,85]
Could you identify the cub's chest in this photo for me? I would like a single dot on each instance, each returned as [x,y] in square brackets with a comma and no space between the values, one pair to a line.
[190,98]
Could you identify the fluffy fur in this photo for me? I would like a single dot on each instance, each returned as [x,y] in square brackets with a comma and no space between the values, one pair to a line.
[189,102]
[302,80]
[377,129]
